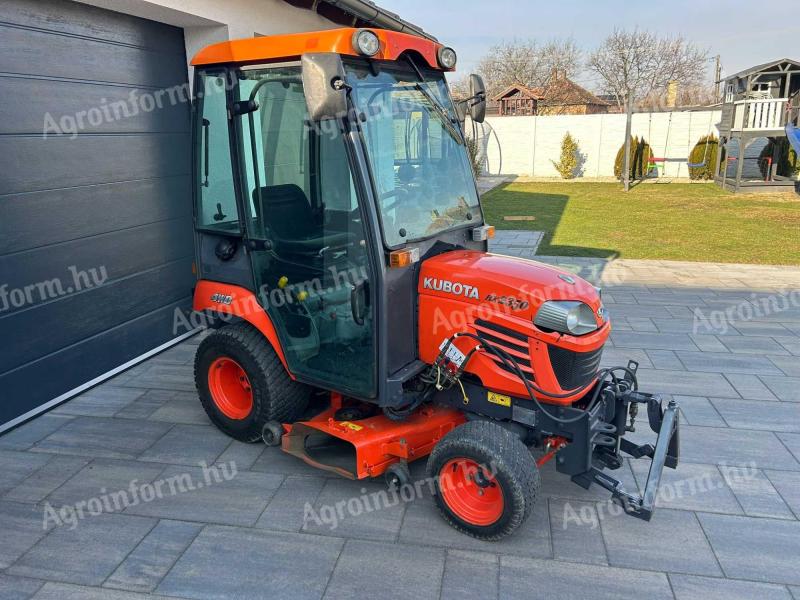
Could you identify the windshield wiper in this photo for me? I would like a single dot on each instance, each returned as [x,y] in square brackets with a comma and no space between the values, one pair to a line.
[440,112]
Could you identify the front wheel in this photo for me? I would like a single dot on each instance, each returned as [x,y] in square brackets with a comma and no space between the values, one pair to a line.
[242,383]
[486,480]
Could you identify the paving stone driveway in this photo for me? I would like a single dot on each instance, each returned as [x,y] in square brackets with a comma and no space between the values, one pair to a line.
[721,531]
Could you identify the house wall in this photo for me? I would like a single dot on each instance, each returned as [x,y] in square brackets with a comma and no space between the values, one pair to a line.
[209,21]
[528,145]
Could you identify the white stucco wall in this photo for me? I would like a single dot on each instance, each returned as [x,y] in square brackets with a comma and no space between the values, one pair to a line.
[209,21]
[528,145]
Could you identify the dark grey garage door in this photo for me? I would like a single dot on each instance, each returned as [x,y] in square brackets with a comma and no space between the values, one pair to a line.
[95,208]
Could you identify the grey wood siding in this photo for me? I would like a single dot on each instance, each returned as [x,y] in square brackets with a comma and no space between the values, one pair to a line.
[111,200]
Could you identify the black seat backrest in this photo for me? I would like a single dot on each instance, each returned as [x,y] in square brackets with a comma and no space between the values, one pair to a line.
[286,211]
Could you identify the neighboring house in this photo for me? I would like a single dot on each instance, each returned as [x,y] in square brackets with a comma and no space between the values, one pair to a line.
[758,102]
[96,236]
[559,96]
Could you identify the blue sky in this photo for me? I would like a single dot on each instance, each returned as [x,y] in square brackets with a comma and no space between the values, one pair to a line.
[740,31]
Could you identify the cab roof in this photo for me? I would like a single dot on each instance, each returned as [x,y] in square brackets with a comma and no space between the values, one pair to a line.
[292,46]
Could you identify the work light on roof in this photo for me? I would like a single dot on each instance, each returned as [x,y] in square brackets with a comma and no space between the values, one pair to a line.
[366,42]
[447,57]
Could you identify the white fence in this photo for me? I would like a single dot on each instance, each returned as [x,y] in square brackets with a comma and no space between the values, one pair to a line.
[528,145]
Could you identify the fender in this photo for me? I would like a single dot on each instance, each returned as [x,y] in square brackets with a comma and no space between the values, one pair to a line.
[237,301]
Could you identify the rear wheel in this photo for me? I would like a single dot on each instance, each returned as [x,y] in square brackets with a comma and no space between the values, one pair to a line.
[242,383]
[486,480]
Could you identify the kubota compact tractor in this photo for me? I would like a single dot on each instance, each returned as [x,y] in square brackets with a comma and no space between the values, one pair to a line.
[360,323]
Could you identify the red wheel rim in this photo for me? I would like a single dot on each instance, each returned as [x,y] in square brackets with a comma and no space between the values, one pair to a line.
[230,388]
[473,494]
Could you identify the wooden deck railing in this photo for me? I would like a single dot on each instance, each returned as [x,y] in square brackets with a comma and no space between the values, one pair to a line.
[757,115]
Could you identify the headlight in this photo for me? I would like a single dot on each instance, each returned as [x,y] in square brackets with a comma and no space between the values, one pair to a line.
[575,318]
[447,57]
[366,42]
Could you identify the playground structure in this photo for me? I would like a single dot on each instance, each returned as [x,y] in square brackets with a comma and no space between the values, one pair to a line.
[758,127]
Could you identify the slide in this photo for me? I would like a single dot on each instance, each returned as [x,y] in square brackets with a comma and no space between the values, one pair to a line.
[793,133]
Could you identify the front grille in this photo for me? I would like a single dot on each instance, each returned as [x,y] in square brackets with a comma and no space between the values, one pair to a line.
[574,369]
[518,349]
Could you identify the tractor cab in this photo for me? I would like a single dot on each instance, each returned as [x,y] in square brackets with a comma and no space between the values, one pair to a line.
[323,178]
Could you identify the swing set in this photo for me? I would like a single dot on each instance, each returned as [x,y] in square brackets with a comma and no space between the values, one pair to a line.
[656,162]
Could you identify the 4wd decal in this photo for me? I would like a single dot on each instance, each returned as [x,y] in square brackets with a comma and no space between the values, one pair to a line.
[509,301]
[450,287]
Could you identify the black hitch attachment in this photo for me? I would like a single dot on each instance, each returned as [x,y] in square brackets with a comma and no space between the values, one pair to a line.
[663,421]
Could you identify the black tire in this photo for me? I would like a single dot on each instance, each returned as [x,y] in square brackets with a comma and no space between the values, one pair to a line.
[276,397]
[397,475]
[272,433]
[505,459]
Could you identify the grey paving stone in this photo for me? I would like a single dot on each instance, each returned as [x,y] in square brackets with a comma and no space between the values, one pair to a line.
[67,591]
[18,588]
[698,411]
[653,341]
[188,445]
[104,476]
[558,485]
[22,525]
[87,554]
[104,437]
[377,514]
[182,408]
[710,343]
[788,485]
[756,494]
[685,384]
[575,528]
[16,467]
[286,510]
[692,587]
[244,455]
[52,475]
[692,487]
[747,344]
[237,501]
[750,386]
[151,560]
[275,460]
[659,544]
[791,344]
[163,377]
[679,325]
[760,328]
[792,442]
[613,357]
[785,388]
[716,445]
[789,365]
[772,547]
[755,414]
[664,359]
[146,404]
[642,324]
[389,570]
[717,362]
[795,590]
[102,401]
[525,578]
[470,575]
[27,434]
[423,525]
[182,354]
[231,562]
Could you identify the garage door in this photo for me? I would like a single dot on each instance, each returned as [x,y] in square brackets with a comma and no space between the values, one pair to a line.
[95,195]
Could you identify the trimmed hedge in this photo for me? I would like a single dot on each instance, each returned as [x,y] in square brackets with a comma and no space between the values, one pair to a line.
[700,154]
[640,159]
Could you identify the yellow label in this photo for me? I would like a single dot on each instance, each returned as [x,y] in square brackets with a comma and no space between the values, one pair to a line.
[500,399]
[352,426]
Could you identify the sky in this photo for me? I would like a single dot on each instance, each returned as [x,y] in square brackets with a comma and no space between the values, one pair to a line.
[745,34]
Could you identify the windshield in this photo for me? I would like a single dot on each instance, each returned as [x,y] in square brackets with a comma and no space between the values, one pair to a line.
[418,157]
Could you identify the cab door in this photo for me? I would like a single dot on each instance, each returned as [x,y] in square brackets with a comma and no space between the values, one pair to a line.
[305,226]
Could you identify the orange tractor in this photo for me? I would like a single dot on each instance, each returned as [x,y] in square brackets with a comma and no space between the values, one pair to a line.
[358,320]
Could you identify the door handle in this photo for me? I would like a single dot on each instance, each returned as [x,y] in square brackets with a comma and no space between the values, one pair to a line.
[358,301]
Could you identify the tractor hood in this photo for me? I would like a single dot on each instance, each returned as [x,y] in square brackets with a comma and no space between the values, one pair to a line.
[517,286]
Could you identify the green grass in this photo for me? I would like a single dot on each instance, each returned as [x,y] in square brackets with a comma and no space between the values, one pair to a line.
[670,221]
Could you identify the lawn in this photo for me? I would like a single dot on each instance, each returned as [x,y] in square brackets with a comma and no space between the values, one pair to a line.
[675,221]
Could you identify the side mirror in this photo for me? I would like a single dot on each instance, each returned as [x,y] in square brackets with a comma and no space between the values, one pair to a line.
[477,92]
[324,85]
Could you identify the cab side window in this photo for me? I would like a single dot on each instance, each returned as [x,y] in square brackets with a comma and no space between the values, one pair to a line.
[217,196]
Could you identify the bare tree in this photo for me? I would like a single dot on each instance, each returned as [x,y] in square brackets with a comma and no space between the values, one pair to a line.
[639,64]
[528,63]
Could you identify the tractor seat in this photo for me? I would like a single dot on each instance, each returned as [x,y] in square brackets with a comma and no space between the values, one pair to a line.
[287,212]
